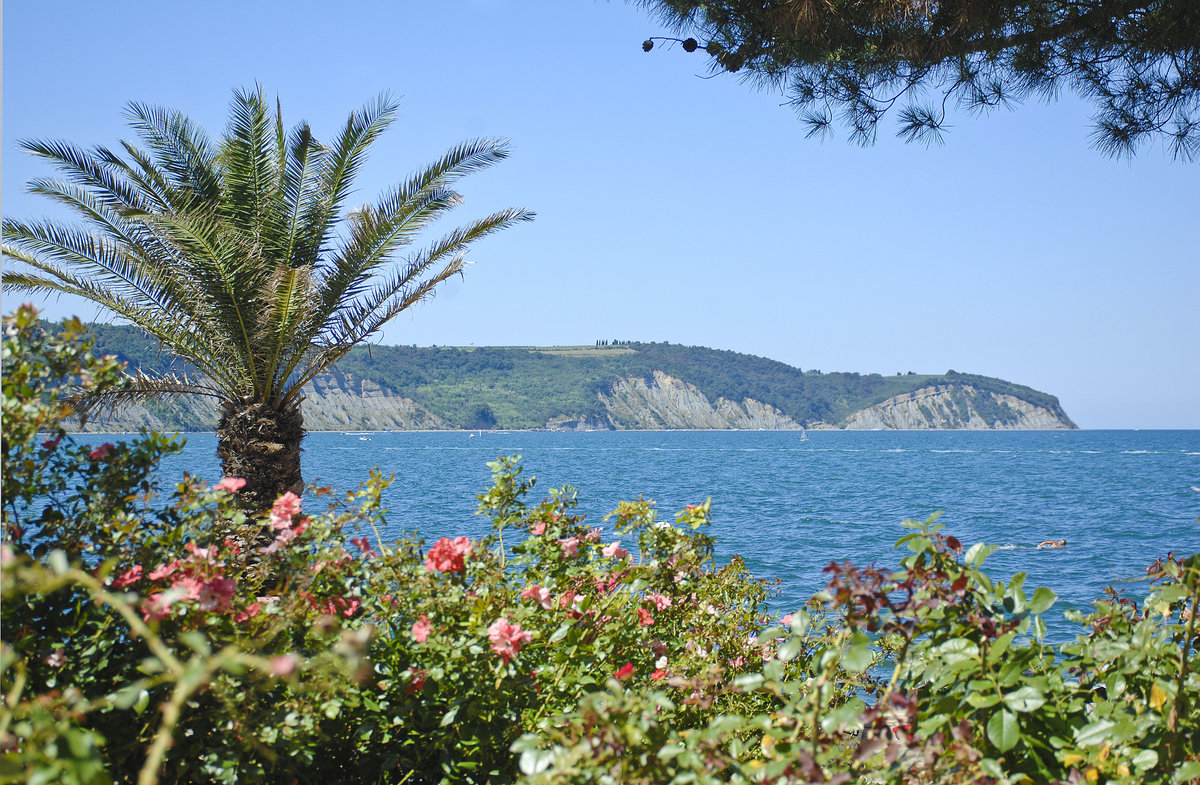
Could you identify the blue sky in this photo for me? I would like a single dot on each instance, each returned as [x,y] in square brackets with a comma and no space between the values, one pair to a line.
[677,208]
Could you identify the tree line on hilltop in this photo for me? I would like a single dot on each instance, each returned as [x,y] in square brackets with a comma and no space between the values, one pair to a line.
[522,387]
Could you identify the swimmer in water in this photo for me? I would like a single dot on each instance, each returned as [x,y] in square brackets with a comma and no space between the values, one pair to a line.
[1053,544]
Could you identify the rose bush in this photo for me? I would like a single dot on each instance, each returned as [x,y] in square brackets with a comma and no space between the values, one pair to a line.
[157,637]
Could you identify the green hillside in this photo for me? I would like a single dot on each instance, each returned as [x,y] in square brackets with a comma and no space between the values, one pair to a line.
[526,387]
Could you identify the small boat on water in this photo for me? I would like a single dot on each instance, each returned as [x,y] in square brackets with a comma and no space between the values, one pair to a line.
[803,435]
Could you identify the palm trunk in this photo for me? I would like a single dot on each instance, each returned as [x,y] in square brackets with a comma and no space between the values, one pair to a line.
[260,443]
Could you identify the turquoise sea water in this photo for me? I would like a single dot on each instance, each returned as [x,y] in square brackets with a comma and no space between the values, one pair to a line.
[789,507]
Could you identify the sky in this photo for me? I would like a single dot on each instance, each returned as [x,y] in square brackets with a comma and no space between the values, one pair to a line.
[675,207]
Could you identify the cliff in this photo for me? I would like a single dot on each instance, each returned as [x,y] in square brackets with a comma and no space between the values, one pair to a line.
[666,402]
[959,407]
[332,402]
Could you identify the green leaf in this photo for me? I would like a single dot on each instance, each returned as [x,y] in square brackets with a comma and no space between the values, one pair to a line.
[535,761]
[448,717]
[858,657]
[991,767]
[560,633]
[1171,593]
[1024,699]
[788,651]
[58,561]
[1188,771]
[1094,733]
[670,751]
[1003,730]
[958,650]
[1000,646]
[919,544]
[977,553]
[1043,598]
[748,681]
[842,716]
[982,700]
[151,665]
[127,696]
[1146,759]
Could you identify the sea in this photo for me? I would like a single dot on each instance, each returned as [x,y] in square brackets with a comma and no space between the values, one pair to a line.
[791,503]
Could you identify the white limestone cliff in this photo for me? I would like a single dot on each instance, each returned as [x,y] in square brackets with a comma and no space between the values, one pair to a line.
[333,401]
[665,402]
[956,406]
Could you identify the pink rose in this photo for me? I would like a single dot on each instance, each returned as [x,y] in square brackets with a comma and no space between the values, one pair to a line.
[538,529]
[247,613]
[421,629]
[507,639]
[644,617]
[129,577]
[615,551]
[217,594]
[539,594]
[624,672]
[230,484]
[163,570]
[203,554]
[570,546]
[448,555]
[157,606]
[661,601]
[283,665]
[284,509]
[593,535]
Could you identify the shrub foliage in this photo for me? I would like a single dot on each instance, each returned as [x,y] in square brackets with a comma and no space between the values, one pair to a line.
[169,637]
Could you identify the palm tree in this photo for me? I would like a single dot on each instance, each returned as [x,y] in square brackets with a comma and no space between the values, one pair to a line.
[238,257]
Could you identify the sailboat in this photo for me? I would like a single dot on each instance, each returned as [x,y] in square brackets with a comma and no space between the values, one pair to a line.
[803,435]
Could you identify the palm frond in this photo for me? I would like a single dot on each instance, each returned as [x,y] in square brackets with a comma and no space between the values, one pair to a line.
[345,157]
[155,187]
[249,166]
[407,209]
[93,170]
[356,319]
[139,388]
[180,148]
[373,239]
[277,338]
[188,340]
[301,184]
[228,274]
[50,247]
[105,216]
